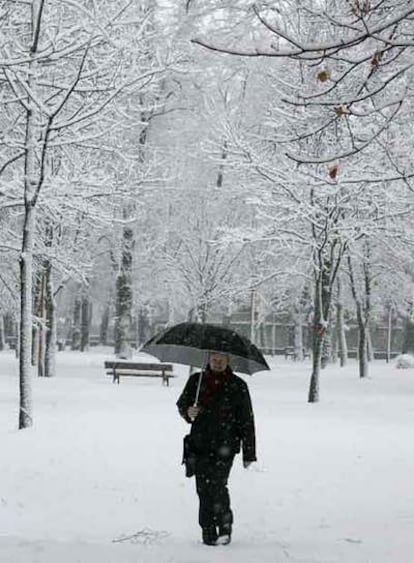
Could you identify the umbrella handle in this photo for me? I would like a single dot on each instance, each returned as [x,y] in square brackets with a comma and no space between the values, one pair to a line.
[199,380]
[200,377]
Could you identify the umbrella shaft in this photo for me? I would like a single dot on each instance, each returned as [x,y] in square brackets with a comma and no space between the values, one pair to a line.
[198,388]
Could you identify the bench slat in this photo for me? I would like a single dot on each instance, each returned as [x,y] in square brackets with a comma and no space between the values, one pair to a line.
[119,369]
[143,374]
[138,366]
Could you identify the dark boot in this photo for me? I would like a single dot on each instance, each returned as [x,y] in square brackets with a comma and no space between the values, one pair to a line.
[209,535]
[224,535]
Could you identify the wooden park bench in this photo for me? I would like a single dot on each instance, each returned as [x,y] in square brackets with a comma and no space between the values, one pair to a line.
[123,368]
[290,353]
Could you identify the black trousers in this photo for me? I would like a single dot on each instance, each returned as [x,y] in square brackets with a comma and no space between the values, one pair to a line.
[212,473]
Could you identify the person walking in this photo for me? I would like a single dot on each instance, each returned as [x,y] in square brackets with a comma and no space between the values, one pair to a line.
[217,404]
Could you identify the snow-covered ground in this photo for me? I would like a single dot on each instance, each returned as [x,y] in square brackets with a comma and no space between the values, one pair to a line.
[98,478]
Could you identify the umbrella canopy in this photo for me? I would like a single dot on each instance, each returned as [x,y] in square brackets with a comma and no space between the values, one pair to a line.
[188,343]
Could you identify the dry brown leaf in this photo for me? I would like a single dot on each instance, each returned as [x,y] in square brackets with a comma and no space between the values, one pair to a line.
[375,61]
[361,7]
[323,75]
[340,111]
[333,171]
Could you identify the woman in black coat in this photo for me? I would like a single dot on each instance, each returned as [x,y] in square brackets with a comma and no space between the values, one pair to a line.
[222,425]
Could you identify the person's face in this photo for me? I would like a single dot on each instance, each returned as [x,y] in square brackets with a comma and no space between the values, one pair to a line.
[218,362]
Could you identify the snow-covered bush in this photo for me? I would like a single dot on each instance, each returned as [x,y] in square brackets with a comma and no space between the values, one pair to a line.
[405,361]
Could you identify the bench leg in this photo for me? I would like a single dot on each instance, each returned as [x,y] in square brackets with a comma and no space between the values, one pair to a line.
[165,379]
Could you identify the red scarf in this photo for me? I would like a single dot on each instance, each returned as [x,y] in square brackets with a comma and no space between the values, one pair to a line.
[212,383]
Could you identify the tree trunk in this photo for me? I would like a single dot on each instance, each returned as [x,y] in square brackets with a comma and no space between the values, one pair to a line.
[85,324]
[325,276]
[76,326]
[17,349]
[37,285]
[25,331]
[318,335]
[298,336]
[219,182]
[334,343]
[103,331]
[370,348]
[313,396]
[341,335]
[389,334]
[123,304]
[408,342]
[2,333]
[35,145]
[202,313]
[143,326]
[41,330]
[253,316]
[51,332]
[273,335]
[362,343]
[362,311]
[326,353]
[123,315]
[367,302]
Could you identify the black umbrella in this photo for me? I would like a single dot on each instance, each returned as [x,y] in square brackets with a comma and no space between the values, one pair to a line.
[189,343]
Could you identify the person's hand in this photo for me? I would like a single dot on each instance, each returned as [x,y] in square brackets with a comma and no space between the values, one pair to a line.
[246,464]
[193,412]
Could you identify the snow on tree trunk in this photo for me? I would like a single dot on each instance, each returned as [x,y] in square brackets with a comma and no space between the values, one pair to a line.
[326,354]
[362,343]
[37,296]
[123,302]
[37,129]
[298,336]
[326,270]
[367,302]
[341,335]
[123,315]
[25,331]
[41,326]
[313,396]
[51,333]
[319,331]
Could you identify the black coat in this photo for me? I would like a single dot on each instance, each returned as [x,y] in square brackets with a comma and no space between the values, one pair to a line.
[226,424]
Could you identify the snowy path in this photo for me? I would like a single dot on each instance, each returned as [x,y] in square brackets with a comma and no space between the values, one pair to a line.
[334,482]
